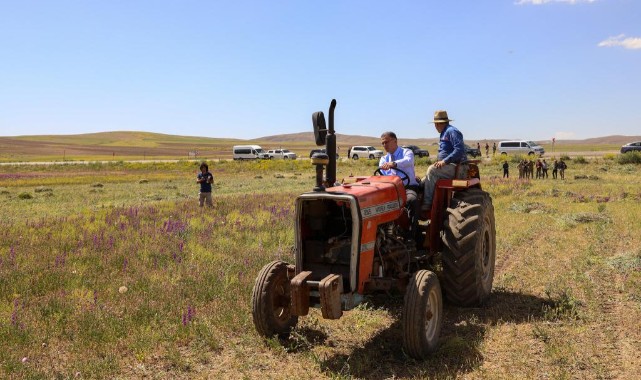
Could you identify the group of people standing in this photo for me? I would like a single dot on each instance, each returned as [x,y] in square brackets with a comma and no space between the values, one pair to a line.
[487,148]
[526,169]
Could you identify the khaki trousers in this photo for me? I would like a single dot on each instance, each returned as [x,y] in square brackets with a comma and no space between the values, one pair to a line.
[205,197]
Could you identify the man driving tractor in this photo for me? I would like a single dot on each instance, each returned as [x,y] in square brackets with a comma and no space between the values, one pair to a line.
[402,159]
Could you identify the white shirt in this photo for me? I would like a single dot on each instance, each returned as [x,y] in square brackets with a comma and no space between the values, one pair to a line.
[404,159]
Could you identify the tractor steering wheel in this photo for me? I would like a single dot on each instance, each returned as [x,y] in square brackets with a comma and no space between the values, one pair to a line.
[405,178]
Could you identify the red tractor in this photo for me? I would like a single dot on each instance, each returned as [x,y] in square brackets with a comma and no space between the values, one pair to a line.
[351,241]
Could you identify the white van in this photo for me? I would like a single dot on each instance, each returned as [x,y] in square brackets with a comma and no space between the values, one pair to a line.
[520,147]
[248,152]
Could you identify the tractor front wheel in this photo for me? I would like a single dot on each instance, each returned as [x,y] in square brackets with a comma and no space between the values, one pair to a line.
[422,315]
[469,240]
[271,301]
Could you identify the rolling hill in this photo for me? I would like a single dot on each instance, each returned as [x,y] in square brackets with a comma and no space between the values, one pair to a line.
[130,145]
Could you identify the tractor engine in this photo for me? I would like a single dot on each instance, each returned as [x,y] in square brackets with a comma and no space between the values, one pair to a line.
[393,253]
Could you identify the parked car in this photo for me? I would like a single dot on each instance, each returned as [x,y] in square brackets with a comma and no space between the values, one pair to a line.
[631,147]
[281,154]
[418,152]
[520,147]
[323,150]
[365,151]
[474,152]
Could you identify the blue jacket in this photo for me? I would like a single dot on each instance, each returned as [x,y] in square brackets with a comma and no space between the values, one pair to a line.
[451,147]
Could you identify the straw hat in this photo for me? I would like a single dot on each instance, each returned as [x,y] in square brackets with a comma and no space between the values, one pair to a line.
[440,116]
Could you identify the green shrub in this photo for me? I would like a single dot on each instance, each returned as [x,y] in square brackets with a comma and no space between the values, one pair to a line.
[629,158]
[565,157]
[580,160]
[517,158]
[25,196]
[561,306]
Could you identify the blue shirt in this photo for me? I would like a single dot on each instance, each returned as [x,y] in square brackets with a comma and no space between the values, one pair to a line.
[451,148]
[205,187]
[404,159]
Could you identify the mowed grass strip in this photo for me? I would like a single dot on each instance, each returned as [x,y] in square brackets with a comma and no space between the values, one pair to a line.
[131,279]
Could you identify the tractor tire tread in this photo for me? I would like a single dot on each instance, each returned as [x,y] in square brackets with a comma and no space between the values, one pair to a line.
[464,282]
[261,313]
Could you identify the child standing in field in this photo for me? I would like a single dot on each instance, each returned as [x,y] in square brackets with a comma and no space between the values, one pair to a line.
[506,170]
[205,179]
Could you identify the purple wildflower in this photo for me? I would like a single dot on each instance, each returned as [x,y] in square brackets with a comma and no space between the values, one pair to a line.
[14,313]
[189,315]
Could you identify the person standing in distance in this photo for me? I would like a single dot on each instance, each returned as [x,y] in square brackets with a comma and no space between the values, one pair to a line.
[451,151]
[402,159]
[205,179]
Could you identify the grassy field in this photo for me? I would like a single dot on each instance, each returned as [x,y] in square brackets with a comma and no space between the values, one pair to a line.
[113,271]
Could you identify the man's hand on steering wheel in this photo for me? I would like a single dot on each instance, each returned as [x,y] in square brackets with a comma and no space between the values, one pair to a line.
[404,177]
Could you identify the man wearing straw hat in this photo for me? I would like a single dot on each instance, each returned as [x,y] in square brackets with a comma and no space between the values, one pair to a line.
[451,151]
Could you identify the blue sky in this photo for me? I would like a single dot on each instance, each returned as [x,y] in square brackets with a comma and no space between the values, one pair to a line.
[531,69]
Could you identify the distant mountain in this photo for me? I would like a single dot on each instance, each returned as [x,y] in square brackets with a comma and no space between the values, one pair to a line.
[306,137]
[613,139]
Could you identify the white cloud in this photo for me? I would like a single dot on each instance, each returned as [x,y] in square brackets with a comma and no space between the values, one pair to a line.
[541,2]
[621,40]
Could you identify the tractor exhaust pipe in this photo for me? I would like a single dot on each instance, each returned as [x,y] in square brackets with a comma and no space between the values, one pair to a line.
[325,136]
[331,146]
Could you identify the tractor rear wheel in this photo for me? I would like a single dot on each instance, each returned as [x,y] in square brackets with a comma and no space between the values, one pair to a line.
[271,301]
[422,315]
[469,237]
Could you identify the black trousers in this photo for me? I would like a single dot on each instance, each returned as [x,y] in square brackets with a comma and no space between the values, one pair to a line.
[413,208]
